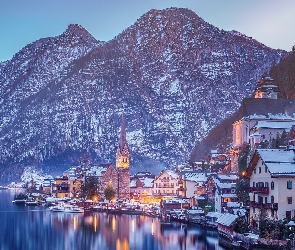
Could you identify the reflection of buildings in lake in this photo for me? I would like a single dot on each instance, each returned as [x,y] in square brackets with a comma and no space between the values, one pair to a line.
[122,232]
[178,235]
[115,231]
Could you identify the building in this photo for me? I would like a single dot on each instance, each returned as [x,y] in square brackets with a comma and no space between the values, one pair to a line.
[103,175]
[169,183]
[266,88]
[271,173]
[141,186]
[261,118]
[221,189]
[61,186]
[195,183]
[123,164]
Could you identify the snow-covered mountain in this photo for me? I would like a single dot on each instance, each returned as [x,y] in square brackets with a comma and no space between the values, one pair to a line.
[176,75]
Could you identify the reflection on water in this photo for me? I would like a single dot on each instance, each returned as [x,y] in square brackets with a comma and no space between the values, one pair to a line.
[24,227]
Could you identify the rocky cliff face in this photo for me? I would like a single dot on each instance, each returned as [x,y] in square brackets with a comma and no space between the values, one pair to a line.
[176,75]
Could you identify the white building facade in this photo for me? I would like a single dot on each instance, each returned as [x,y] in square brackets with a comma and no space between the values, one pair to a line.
[272,184]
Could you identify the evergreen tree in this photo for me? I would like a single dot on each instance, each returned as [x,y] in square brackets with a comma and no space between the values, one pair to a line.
[109,193]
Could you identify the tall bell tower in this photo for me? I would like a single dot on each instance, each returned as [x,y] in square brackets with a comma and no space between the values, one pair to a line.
[123,164]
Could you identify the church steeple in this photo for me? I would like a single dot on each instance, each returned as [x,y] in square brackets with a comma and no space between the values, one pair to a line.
[122,139]
[122,155]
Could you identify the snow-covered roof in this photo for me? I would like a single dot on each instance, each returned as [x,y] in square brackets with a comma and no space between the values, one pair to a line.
[133,183]
[275,124]
[197,177]
[278,162]
[213,214]
[233,204]
[227,219]
[276,155]
[195,211]
[172,174]
[225,185]
[239,211]
[148,182]
[199,197]
[227,177]
[96,170]
[229,195]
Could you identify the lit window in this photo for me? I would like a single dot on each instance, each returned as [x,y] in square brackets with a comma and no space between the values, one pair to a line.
[289,184]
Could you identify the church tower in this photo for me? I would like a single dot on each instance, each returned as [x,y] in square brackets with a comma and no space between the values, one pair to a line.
[266,88]
[123,164]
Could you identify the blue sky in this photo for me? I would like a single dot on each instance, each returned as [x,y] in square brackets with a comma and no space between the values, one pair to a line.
[22,22]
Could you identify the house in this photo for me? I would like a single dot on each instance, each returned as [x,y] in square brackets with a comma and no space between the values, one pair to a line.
[61,186]
[169,183]
[195,183]
[141,186]
[221,188]
[271,173]
[225,222]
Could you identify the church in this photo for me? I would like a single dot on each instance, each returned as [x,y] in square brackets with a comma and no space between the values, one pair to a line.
[117,177]
[261,118]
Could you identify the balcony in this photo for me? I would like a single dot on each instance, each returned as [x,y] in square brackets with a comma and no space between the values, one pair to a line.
[264,205]
[259,190]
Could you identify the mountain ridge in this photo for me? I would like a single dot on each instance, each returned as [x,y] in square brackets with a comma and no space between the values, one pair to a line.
[176,75]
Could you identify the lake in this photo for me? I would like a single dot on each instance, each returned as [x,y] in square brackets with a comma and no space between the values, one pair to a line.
[28,227]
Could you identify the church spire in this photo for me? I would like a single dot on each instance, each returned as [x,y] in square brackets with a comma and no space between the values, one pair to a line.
[122,139]
[122,155]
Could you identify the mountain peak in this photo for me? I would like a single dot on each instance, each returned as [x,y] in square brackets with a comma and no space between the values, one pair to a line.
[78,31]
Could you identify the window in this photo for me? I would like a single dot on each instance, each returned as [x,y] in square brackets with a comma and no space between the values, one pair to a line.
[272,199]
[266,184]
[253,183]
[289,199]
[272,185]
[265,169]
[259,170]
[265,200]
[254,170]
[289,184]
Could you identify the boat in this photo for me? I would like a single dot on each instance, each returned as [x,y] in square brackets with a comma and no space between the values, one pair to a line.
[32,203]
[66,209]
[3,188]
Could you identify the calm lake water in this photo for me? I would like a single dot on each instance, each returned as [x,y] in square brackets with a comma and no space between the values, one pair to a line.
[27,227]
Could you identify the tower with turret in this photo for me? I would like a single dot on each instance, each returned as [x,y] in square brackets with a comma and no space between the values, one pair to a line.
[123,164]
[266,88]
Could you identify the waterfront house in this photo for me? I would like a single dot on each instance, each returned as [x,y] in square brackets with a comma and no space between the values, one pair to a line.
[169,183]
[61,186]
[272,174]
[225,222]
[141,186]
[221,188]
[195,183]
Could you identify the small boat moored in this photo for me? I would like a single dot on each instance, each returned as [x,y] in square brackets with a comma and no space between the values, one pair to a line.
[66,208]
